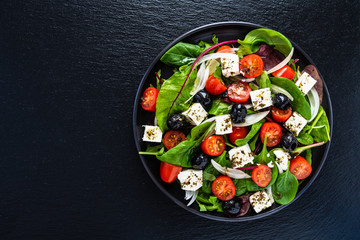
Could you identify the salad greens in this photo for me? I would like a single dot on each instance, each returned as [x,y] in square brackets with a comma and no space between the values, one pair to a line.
[299,104]
[169,91]
[238,158]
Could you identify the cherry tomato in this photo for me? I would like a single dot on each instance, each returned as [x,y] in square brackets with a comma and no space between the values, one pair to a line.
[261,175]
[251,65]
[149,97]
[239,92]
[225,49]
[173,138]
[223,188]
[300,168]
[280,115]
[273,132]
[238,133]
[214,86]
[285,72]
[213,145]
[169,172]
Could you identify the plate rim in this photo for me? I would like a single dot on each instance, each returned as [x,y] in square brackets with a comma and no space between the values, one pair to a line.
[178,202]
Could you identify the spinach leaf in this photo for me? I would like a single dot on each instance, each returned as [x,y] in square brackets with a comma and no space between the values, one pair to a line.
[253,141]
[308,156]
[299,150]
[240,186]
[154,150]
[321,134]
[181,54]
[273,38]
[264,157]
[299,104]
[208,176]
[219,108]
[305,138]
[199,130]
[251,186]
[263,81]
[180,155]
[165,105]
[285,188]
[254,129]
[158,79]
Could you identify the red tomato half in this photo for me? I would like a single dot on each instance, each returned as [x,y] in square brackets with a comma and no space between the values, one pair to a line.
[261,175]
[285,72]
[213,145]
[251,65]
[280,115]
[173,138]
[239,92]
[214,86]
[169,172]
[273,132]
[238,133]
[225,49]
[149,97]
[300,168]
[223,188]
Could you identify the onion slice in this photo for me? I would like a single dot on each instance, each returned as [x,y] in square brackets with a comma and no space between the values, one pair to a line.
[251,119]
[192,195]
[314,103]
[231,172]
[199,81]
[282,63]
[277,89]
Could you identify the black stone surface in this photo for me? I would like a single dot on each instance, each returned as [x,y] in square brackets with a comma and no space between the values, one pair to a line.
[69,72]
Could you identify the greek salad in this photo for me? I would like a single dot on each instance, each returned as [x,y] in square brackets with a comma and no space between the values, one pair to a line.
[235,124]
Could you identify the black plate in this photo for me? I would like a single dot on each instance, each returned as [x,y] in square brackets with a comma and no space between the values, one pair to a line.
[224,31]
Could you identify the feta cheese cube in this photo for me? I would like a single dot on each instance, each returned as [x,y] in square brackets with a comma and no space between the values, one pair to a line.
[260,201]
[230,66]
[295,123]
[261,98]
[152,134]
[240,156]
[282,158]
[195,114]
[223,124]
[305,83]
[191,179]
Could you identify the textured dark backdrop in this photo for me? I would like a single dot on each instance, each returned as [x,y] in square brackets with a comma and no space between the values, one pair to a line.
[69,71]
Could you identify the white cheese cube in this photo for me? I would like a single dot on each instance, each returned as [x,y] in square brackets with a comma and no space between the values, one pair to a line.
[261,98]
[260,201]
[305,83]
[240,156]
[152,134]
[223,124]
[282,158]
[191,179]
[295,123]
[230,66]
[195,114]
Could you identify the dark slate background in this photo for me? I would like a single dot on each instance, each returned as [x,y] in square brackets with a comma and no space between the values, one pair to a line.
[69,71]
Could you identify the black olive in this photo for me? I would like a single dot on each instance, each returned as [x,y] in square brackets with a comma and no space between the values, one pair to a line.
[289,142]
[225,95]
[238,113]
[232,207]
[204,98]
[176,121]
[200,162]
[281,101]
